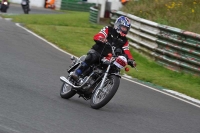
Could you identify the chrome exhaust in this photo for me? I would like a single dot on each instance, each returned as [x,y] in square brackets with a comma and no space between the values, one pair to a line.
[63,79]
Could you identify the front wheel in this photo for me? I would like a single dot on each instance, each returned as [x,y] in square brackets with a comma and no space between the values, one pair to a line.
[4,8]
[103,95]
[26,10]
[66,91]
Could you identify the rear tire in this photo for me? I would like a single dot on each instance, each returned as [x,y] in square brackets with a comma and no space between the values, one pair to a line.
[67,91]
[101,98]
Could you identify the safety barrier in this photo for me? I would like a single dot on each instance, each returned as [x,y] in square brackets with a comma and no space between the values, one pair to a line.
[94,15]
[174,48]
[58,4]
[76,5]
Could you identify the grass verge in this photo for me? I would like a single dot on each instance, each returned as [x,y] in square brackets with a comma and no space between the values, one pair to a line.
[183,14]
[73,33]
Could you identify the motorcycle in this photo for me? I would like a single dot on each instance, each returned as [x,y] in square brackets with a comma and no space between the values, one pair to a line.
[25,6]
[4,6]
[99,82]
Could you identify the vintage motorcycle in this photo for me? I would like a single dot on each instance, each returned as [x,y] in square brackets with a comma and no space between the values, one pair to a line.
[99,82]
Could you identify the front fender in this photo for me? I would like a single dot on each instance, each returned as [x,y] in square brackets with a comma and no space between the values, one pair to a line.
[116,74]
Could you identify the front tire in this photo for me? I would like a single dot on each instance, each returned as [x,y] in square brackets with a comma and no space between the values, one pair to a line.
[66,91]
[101,97]
[4,8]
[26,10]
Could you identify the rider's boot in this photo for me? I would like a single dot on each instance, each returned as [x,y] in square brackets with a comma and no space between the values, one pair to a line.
[75,75]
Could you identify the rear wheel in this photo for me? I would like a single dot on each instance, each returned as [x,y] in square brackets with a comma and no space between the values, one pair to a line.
[67,91]
[102,96]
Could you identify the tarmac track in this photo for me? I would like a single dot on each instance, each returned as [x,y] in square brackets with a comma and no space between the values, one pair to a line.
[30,103]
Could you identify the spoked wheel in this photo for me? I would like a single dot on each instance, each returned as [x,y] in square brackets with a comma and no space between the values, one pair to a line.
[103,95]
[67,91]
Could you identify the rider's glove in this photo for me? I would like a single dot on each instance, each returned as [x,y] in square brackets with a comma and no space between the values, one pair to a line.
[132,63]
[103,40]
[105,61]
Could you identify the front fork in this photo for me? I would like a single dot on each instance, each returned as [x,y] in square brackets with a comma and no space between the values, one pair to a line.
[104,77]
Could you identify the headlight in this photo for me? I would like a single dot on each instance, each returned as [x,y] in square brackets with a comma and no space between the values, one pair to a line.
[5,3]
[23,2]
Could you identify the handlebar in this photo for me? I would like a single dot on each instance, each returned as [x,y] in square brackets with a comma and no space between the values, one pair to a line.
[107,43]
[113,51]
[113,48]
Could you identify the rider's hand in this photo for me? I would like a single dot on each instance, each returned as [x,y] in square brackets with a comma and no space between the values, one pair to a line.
[103,40]
[132,63]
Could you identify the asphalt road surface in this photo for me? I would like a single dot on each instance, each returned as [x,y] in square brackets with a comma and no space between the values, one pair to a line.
[30,103]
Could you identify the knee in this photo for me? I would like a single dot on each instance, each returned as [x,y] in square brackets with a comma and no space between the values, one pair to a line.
[91,58]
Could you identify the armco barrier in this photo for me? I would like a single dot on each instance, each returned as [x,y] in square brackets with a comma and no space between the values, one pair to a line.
[76,5]
[94,15]
[172,47]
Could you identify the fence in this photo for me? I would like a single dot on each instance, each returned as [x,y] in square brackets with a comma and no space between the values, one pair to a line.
[94,15]
[76,5]
[174,48]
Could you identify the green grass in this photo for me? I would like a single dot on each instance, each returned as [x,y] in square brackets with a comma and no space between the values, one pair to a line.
[183,14]
[72,19]
[68,38]
[73,33]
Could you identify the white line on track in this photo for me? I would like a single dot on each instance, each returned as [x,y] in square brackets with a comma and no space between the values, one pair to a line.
[176,97]
[179,98]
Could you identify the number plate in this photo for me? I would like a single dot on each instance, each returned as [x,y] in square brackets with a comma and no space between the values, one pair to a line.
[120,62]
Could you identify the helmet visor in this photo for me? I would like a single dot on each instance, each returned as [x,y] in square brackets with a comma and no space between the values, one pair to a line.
[124,29]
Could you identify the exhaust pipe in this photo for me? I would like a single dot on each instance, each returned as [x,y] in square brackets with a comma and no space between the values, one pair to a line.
[63,79]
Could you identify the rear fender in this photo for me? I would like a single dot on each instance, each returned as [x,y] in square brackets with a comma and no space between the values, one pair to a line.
[82,58]
[77,62]
[73,67]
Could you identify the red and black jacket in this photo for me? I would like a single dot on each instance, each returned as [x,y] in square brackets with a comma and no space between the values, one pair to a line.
[114,38]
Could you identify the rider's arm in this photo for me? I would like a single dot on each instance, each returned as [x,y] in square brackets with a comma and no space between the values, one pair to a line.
[126,50]
[101,36]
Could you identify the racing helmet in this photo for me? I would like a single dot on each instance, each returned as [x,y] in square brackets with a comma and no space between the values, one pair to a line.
[122,25]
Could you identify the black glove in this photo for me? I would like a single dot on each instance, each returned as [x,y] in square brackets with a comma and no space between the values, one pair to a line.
[132,63]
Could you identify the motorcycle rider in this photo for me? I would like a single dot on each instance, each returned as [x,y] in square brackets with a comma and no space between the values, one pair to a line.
[5,1]
[27,1]
[114,35]
[1,1]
